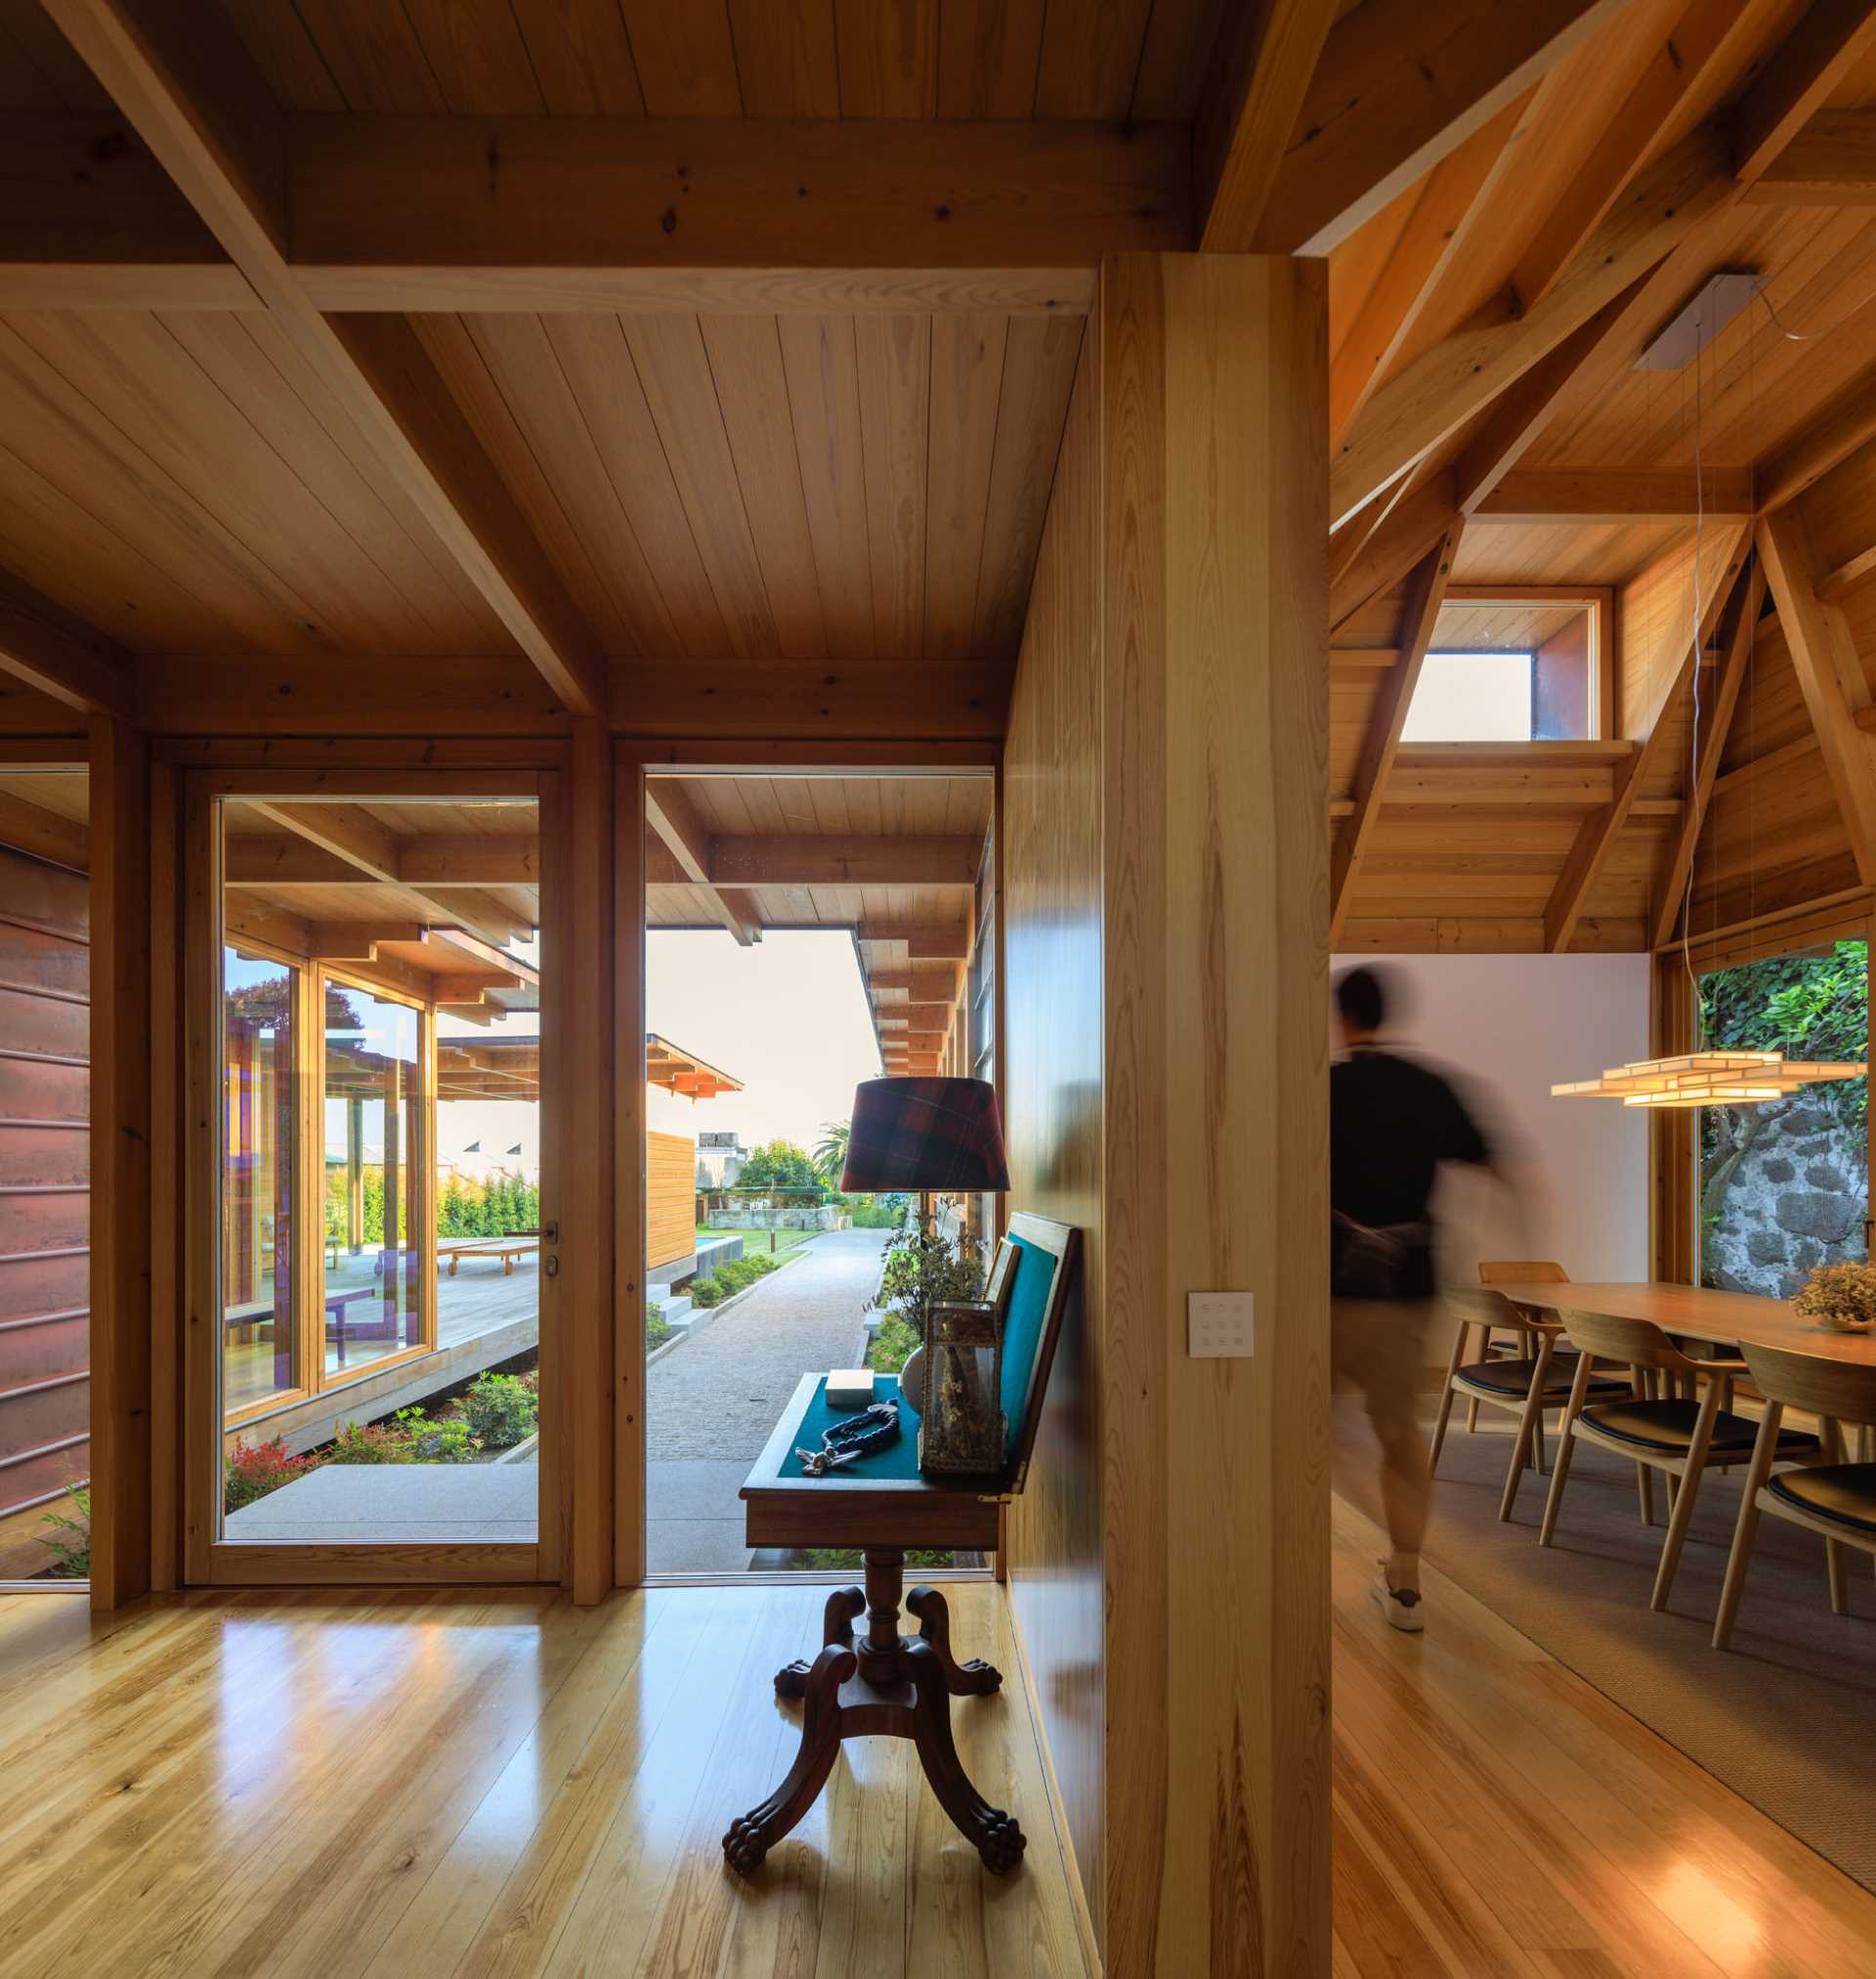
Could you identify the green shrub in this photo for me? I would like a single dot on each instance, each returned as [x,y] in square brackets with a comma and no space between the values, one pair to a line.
[253,1470]
[438,1439]
[658,1329]
[875,1216]
[501,1410]
[892,1345]
[850,1559]
[371,1442]
[705,1292]
[68,1539]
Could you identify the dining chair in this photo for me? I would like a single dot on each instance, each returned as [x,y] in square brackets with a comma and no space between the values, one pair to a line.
[1674,1433]
[1510,1271]
[1524,1383]
[1824,1494]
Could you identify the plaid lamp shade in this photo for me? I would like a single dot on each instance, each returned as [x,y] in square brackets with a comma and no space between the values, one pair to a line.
[935,1134]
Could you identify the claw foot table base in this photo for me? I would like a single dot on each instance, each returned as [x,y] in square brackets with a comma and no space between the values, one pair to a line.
[881,1685]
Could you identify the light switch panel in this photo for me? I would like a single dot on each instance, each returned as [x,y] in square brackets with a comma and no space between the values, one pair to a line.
[1219,1325]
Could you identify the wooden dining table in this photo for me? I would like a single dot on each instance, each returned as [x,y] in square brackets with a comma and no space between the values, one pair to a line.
[1699,1313]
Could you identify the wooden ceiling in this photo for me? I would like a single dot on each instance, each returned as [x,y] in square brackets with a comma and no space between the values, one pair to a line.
[485,365]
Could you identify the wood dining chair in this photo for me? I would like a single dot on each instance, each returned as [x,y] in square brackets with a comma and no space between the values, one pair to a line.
[1823,1492]
[1510,1271]
[1674,1433]
[1524,1383]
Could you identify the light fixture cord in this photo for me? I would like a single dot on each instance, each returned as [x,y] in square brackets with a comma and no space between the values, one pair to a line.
[1693,741]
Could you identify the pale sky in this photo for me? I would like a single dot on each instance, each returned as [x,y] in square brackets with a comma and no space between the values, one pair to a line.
[1472,697]
[787,1018]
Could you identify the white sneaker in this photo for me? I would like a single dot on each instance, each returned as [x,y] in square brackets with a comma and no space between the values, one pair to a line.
[1400,1608]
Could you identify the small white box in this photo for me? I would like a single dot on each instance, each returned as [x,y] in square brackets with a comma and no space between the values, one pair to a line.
[850,1387]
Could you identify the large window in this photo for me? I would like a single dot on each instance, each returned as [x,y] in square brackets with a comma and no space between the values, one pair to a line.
[260,1009]
[1785,1186]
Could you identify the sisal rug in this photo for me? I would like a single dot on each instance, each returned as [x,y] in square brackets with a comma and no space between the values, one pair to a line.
[1786,1717]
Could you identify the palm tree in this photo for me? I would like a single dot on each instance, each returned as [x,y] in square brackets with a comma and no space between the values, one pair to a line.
[831,1150]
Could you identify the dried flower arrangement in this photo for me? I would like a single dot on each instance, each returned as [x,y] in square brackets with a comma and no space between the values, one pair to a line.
[1842,1297]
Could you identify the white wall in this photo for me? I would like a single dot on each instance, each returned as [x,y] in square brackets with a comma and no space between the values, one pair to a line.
[1504,1028]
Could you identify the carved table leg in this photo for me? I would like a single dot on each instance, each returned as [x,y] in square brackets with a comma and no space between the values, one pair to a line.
[752,1835]
[998,1838]
[843,1604]
[878,1649]
[974,1679]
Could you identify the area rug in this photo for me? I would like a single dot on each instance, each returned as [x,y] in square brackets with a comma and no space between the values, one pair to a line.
[1786,1717]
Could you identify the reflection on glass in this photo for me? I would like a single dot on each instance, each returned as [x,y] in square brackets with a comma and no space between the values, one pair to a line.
[373,1266]
[258,1009]
[1785,1187]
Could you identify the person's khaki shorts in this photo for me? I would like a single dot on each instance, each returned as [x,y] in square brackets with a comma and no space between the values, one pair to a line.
[1378,1345]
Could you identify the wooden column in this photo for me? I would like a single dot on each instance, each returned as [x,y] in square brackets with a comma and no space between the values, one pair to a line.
[120,1172]
[629,1260]
[1164,788]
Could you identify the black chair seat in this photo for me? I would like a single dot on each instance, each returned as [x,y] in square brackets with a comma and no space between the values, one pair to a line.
[1668,1425]
[1515,1377]
[1844,1493]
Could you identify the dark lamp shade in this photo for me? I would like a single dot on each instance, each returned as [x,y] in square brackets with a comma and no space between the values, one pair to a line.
[936,1134]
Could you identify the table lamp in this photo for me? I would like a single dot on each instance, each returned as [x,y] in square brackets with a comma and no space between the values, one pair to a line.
[945,1135]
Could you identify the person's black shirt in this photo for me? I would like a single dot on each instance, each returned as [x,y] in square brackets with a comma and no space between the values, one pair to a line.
[1391,1123]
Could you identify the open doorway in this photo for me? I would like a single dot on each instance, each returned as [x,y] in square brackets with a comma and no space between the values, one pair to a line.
[805,931]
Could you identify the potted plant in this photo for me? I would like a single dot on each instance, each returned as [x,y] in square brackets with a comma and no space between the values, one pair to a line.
[1841,1296]
[924,1269]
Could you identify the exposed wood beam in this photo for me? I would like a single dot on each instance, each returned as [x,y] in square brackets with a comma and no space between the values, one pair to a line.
[1447,385]
[1632,125]
[941,977]
[55,653]
[1402,83]
[926,942]
[1830,162]
[770,701]
[47,834]
[1432,240]
[434,864]
[457,213]
[1671,889]
[193,95]
[1416,524]
[1393,697]
[1597,833]
[354,940]
[1826,44]
[1840,430]
[1620,494]
[1262,66]
[674,818]
[855,859]
[1830,678]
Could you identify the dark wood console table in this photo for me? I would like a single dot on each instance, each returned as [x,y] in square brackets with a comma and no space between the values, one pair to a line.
[876,1682]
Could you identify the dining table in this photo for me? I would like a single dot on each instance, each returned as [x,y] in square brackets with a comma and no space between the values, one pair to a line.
[1701,1312]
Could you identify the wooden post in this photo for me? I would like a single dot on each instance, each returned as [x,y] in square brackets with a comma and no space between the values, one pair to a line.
[1165,786]
[628,1194]
[120,1314]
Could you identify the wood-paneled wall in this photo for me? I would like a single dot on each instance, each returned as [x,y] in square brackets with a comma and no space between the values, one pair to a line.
[1165,951]
[670,1197]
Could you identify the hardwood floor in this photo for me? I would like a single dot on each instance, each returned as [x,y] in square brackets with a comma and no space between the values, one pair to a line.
[451,1784]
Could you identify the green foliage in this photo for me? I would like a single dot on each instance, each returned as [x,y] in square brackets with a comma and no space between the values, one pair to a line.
[501,1410]
[437,1439]
[781,1164]
[892,1345]
[371,1442]
[253,1470]
[831,1150]
[504,1202]
[876,1213]
[850,1559]
[925,1268]
[705,1292]
[658,1329]
[68,1538]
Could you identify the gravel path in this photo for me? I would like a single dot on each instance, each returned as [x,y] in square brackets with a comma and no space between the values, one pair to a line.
[719,1395]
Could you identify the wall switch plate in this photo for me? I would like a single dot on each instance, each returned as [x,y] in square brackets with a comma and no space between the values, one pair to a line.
[1219,1325]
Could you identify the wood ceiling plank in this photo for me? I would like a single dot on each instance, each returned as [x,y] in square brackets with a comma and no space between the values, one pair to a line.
[672,814]
[1260,68]
[988,56]
[675,373]
[28,827]
[894,355]
[746,365]
[477,55]
[373,54]
[685,56]
[1830,162]
[197,100]
[1383,742]
[823,370]
[1822,443]
[1039,359]
[785,58]
[1402,83]
[1414,527]
[966,387]
[1830,674]
[1829,40]
[54,652]
[582,56]
[1089,59]
[888,54]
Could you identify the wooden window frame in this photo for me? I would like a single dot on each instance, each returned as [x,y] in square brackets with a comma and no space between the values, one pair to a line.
[1597,601]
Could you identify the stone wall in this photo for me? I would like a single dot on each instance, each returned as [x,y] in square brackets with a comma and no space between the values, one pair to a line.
[1783,1190]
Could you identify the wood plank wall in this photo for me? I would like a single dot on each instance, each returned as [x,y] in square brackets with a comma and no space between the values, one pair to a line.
[1166,949]
[671,1198]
